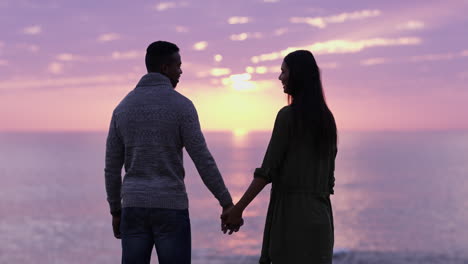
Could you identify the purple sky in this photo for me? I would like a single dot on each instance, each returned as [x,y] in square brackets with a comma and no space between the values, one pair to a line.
[386,65]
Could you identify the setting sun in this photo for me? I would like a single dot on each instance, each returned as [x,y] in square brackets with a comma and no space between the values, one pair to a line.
[240,132]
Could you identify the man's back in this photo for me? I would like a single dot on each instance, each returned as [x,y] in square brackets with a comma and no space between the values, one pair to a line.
[148,130]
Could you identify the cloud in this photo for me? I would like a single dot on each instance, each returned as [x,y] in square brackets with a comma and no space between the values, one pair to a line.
[3,62]
[257,70]
[433,57]
[29,47]
[329,65]
[108,37]
[274,69]
[55,68]
[181,29]
[244,36]
[216,72]
[340,47]
[238,20]
[414,59]
[280,31]
[32,30]
[127,55]
[200,45]
[220,71]
[69,81]
[277,69]
[65,57]
[261,70]
[322,22]
[374,61]
[411,25]
[163,6]
[218,57]
[240,82]
[238,37]
[69,57]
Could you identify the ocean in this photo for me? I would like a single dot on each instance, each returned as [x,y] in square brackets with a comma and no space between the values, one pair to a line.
[400,197]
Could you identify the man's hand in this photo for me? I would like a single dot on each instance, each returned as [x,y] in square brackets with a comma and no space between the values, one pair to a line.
[227,208]
[231,220]
[116,226]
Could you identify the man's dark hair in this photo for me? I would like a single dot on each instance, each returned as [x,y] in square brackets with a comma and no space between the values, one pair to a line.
[159,53]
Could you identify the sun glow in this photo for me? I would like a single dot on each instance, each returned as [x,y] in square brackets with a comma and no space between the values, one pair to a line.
[240,132]
[240,136]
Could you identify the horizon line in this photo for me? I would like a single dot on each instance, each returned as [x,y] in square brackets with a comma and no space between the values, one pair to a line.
[244,130]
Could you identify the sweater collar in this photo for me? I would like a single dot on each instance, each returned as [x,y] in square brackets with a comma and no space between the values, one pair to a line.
[155,79]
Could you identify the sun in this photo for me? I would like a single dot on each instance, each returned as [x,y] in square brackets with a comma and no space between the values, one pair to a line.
[240,132]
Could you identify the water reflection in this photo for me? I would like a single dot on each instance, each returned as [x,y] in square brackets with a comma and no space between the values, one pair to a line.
[395,192]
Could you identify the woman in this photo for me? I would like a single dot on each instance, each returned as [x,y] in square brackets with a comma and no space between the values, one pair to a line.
[300,163]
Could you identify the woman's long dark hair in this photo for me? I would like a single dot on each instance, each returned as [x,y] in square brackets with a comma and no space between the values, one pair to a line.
[306,97]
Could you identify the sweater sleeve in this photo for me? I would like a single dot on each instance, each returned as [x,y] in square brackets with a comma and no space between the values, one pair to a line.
[277,147]
[115,153]
[194,142]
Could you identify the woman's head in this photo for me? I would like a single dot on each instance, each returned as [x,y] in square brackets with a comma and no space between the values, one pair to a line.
[300,77]
[298,71]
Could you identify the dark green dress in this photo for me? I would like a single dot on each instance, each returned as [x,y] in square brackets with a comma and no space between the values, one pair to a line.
[299,224]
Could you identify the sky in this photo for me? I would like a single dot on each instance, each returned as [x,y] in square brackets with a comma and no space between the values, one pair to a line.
[386,65]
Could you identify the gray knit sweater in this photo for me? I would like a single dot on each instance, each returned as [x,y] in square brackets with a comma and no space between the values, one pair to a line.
[148,131]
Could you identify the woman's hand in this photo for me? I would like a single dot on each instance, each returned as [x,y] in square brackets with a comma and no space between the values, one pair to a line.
[231,220]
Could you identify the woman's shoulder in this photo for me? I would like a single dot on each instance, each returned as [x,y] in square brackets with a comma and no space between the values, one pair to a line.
[284,116]
[285,112]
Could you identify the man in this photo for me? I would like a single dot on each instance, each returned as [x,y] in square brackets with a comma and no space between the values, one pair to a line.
[148,130]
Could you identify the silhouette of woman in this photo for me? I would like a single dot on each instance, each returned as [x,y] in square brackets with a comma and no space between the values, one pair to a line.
[300,164]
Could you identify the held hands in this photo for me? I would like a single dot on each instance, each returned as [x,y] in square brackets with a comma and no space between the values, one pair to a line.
[231,219]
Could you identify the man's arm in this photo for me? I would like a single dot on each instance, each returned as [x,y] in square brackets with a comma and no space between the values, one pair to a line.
[115,153]
[195,145]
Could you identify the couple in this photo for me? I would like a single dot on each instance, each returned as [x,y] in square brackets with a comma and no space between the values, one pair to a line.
[153,123]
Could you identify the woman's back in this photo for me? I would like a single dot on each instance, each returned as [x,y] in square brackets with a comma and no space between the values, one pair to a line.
[303,168]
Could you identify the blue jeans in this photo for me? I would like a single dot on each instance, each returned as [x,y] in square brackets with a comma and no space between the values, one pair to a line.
[167,229]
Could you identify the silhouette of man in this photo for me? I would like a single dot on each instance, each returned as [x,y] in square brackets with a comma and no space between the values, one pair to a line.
[148,130]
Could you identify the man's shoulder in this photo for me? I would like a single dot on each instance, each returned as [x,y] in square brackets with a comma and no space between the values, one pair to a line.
[182,99]
[122,105]
[184,104]
[174,102]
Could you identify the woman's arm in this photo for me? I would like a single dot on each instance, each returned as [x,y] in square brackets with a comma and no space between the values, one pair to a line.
[232,219]
[272,161]
[256,186]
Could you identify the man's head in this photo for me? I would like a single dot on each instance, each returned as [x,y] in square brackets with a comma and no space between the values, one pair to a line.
[164,57]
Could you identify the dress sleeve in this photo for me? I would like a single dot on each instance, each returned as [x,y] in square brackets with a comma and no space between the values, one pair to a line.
[277,147]
[332,174]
